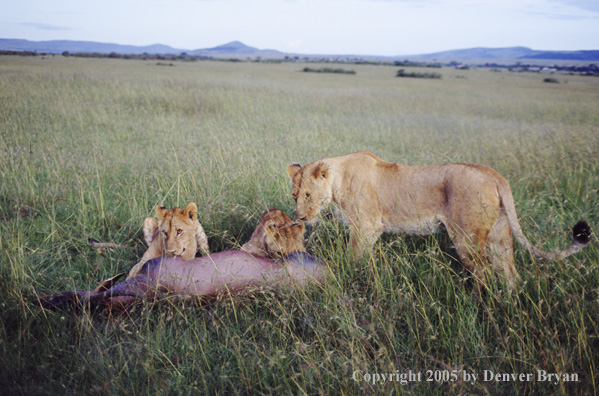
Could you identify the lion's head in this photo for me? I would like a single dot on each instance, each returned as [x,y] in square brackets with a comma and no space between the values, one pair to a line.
[177,232]
[311,189]
[276,235]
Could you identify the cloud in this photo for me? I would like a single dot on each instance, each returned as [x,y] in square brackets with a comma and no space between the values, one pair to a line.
[587,5]
[568,10]
[45,26]
[564,17]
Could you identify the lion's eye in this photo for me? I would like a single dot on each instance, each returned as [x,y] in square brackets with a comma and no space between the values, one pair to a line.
[179,231]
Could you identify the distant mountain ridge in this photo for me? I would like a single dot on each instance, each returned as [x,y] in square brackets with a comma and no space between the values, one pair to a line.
[239,49]
[60,46]
[235,48]
[483,53]
[512,53]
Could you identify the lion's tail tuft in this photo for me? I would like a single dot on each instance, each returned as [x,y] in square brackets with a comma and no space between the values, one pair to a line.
[581,233]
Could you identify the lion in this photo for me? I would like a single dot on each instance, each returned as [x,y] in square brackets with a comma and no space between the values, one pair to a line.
[276,236]
[175,232]
[474,203]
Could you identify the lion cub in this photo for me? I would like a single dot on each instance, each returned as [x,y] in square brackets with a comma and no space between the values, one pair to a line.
[276,236]
[175,232]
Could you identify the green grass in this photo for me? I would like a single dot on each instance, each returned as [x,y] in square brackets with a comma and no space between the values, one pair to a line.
[89,146]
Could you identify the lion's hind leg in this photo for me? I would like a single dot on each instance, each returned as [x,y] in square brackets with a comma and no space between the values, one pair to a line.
[500,250]
[470,247]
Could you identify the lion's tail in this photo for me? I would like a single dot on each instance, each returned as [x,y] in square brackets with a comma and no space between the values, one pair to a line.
[581,231]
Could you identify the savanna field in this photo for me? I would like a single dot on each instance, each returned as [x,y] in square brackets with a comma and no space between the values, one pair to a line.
[88,147]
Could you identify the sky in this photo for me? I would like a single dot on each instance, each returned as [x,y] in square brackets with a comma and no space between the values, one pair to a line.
[352,27]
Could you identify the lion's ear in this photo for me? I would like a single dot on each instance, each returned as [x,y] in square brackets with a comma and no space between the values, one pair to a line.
[293,169]
[191,210]
[149,228]
[263,216]
[160,211]
[321,171]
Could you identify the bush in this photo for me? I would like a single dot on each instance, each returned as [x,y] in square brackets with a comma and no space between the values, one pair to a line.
[328,70]
[403,73]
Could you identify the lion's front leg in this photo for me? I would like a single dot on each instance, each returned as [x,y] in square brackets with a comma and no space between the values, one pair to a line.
[365,222]
[362,238]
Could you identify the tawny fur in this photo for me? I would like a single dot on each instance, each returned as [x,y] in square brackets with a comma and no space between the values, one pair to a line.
[175,232]
[473,203]
[275,236]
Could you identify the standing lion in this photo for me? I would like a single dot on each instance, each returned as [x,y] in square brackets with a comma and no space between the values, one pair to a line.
[473,203]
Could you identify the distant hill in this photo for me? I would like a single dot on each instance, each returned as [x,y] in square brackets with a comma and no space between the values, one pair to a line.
[591,55]
[510,53]
[236,49]
[60,46]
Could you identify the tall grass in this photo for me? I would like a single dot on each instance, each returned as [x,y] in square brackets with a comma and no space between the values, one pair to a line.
[89,146]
